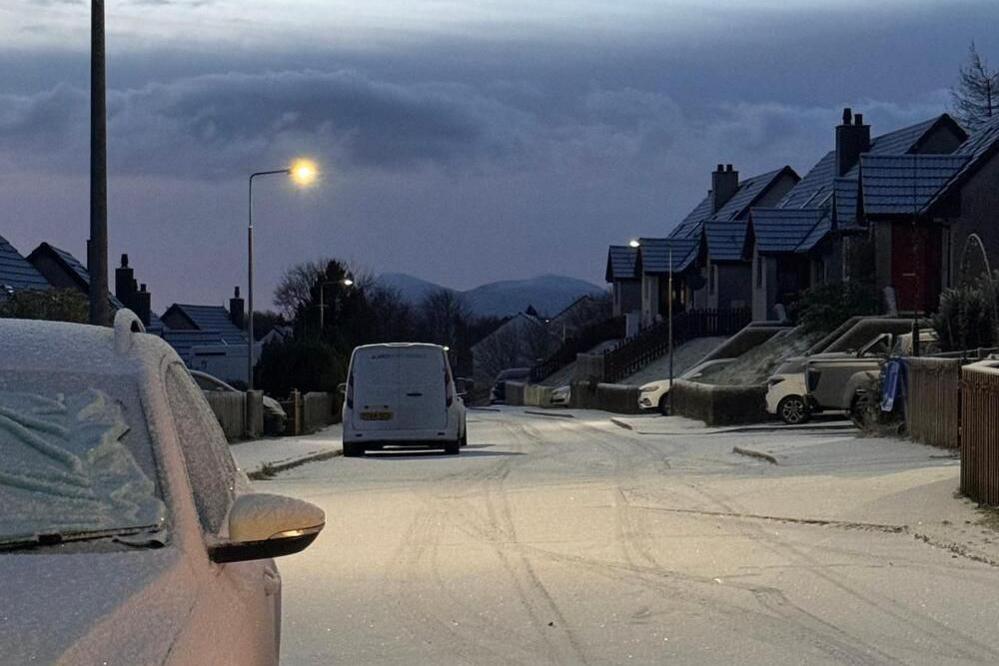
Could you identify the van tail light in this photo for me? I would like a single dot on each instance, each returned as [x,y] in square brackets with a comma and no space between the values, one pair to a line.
[350,391]
[448,389]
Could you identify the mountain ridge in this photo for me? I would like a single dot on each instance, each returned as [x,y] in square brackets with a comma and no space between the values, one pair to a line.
[548,294]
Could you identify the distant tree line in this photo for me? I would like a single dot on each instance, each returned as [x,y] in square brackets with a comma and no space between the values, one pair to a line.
[330,317]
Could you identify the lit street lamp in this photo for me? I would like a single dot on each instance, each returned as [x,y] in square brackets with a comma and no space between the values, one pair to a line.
[346,282]
[302,172]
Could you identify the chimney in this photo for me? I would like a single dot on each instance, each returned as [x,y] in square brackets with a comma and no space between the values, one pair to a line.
[724,183]
[852,140]
[143,304]
[236,309]
[124,284]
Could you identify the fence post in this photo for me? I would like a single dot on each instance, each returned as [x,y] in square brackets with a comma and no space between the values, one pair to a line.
[296,408]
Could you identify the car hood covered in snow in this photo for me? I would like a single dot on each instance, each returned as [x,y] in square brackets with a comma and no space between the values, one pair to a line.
[122,607]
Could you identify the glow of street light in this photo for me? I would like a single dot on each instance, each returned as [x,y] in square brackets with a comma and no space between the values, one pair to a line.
[304,172]
[347,282]
[633,243]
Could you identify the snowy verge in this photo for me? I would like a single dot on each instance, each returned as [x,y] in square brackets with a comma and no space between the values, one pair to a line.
[261,458]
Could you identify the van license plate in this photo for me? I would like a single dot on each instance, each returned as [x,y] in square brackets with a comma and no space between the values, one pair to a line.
[376,416]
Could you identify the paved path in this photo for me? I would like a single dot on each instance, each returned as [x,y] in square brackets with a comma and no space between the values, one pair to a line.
[576,541]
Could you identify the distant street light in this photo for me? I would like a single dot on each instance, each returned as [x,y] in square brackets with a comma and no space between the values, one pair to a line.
[302,172]
[634,243]
[346,282]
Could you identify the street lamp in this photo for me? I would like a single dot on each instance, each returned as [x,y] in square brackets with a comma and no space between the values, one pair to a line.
[303,172]
[346,282]
[634,243]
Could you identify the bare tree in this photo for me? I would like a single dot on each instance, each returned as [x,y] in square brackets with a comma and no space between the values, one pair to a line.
[444,317]
[976,95]
[294,290]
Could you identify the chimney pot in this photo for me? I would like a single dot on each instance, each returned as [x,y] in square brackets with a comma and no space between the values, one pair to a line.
[721,168]
[142,288]
[847,114]
[728,167]
[236,292]
[858,119]
[124,261]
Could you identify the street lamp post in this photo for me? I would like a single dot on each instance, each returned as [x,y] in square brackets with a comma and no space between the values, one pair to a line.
[346,282]
[302,172]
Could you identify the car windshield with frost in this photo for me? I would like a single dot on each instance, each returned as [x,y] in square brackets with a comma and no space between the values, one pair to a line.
[76,460]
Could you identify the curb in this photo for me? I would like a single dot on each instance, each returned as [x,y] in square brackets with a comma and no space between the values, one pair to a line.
[552,414]
[268,471]
[755,454]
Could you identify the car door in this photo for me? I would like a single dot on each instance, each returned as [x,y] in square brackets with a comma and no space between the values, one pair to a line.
[240,603]
[423,383]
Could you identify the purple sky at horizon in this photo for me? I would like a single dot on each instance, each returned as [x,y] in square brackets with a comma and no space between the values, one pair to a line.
[461,142]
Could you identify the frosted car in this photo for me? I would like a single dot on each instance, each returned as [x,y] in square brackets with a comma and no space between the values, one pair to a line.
[128,535]
[655,394]
[401,394]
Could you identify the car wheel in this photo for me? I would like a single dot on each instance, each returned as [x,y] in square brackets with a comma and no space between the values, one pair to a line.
[793,410]
[353,450]
[453,448]
[664,404]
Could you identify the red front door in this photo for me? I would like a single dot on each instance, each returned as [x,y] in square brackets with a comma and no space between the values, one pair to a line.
[915,266]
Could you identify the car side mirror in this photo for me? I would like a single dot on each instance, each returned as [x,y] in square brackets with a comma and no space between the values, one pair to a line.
[262,525]
[341,388]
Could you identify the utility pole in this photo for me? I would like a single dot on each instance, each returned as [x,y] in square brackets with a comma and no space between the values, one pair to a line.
[97,246]
[669,310]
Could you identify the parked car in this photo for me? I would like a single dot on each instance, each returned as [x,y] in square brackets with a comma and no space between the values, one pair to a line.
[128,534]
[401,394]
[836,377]
[561,396]
[275,418]
[655,394]
[498,393]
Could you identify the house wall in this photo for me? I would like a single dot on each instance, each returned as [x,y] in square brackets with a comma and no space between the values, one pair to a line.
[776,192]
[53,272]
[764,281]
[650,298]
[941,141]
[735,285]
[979,213]
[700,298]
[627,296]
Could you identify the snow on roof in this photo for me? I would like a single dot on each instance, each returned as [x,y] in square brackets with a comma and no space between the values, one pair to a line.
[15,271]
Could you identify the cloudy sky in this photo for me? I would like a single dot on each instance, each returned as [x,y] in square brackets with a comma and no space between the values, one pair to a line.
[462,142]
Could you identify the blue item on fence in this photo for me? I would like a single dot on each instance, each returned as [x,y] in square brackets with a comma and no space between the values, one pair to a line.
[893,373]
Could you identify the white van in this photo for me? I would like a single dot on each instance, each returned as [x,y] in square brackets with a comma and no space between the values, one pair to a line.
[401,394]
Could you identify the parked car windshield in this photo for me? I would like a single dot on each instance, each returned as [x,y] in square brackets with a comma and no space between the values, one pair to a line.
[75,456]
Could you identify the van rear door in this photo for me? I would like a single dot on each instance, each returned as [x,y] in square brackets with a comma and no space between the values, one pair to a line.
[422,391]
[374,373]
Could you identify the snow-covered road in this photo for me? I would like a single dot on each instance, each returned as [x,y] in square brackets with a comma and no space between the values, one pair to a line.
[557,540]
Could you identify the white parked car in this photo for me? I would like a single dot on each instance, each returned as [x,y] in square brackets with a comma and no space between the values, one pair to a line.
[401,394]
[561,396]
[275,417]
[655,394]
[128,535]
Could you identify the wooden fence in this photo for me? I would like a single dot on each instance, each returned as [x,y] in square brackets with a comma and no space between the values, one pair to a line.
[980,432]
[933,411]
[230,410]
[652,343]
[583,341]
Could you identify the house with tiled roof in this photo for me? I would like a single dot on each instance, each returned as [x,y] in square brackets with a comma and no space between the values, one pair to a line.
[827,200]
[921,212]
[64,271]
[724,274]
[624,278]
[16,272]
[658,258]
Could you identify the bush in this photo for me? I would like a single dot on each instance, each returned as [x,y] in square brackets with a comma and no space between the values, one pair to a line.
[966,318]
[824,307]
[49,304]
[306,365]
